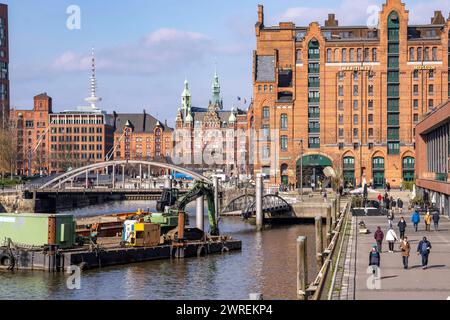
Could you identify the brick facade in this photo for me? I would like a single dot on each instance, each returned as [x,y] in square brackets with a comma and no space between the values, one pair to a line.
[351,94]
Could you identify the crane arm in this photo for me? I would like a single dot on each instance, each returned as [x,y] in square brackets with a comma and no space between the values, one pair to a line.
[198,190]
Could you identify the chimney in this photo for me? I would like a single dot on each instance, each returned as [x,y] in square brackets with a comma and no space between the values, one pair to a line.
[331,21]
[261,14]
[438,18]
[165,123]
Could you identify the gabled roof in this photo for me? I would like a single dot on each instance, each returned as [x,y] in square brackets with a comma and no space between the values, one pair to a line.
[141,122]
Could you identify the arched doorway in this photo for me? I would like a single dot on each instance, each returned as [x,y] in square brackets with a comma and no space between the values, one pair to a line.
[378,172]
[349,171]
[313,166]
[408,169]
[284,174]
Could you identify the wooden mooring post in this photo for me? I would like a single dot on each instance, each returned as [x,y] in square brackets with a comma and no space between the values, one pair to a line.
[328,227]
[319,241]
[302,267]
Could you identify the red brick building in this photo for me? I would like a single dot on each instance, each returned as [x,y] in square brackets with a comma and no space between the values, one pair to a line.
[433,157]
[141,137]
[211,138]
[32,140]
[346,96]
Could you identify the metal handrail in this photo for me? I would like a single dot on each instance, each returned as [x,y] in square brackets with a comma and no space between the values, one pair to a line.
[316,287]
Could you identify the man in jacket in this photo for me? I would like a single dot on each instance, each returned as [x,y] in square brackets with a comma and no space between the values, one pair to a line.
[379,236]
[424,249]
[400,205]
[402,227]
[415,219]
[374,259]
[390,218]
[405,247]
[436,218]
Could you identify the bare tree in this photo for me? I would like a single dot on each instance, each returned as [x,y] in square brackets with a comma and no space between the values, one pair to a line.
[8,150]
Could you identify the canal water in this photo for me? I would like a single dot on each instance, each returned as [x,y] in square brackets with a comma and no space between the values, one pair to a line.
[266,264]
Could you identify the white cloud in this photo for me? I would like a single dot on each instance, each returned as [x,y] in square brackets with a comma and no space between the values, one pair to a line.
[350,12]
[162,49]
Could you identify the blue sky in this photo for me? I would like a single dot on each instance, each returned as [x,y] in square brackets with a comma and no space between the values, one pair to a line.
[145,49]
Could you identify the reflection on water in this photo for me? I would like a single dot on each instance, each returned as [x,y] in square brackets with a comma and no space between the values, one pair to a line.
[266,264]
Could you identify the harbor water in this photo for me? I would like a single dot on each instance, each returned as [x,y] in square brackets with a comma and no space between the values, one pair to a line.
[266,264]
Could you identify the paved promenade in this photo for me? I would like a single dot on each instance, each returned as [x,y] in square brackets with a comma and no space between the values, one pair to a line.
[397,283]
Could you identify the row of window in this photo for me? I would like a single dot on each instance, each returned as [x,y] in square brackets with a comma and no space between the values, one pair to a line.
[76,138]
[83,147]
[76,130]
[423,54]
[340,55]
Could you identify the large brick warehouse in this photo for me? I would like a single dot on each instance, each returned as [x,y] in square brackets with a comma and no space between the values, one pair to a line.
[346,96]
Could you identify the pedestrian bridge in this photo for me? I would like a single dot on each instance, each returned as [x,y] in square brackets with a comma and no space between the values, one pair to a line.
[273,206]
[117,169]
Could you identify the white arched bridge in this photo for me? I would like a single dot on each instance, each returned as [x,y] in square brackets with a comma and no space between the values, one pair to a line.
[61,180]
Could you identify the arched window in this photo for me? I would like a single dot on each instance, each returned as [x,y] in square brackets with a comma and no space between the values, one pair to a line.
[336,55]
[426,56]
[266,113]
[411,54]
[419,54]
[328,55]
[349,171]
[408,169]
[344,55]
[434,54]
[284,121]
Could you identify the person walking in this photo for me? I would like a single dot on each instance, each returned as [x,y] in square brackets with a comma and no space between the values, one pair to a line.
[379,236]
[400,205]
[390,218]
[415,219]
[428,219]
[379,198]
[391,238]
[436,218]
[402,227]
[374,259]
[424,249]
[405,247]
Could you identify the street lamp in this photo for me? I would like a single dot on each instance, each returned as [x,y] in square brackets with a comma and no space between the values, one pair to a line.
[301,169]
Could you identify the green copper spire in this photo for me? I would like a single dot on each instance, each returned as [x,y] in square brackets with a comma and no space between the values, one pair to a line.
[216,91]
[186,100]
[186,96]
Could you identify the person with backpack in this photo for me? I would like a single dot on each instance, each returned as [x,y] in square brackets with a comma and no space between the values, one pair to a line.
[391,238]
[428,218]
[424,249]
[415,219]
[379,236]
[402,227]
[436,218]
[374,259]
[405,247]
[390,218]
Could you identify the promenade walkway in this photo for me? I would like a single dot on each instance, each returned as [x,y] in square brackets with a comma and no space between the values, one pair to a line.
[397,283]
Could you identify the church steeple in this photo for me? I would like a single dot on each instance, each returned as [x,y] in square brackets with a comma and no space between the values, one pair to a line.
[216,101]
[186,100]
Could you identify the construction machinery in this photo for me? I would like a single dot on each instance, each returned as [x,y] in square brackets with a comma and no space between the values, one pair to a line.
[200,189]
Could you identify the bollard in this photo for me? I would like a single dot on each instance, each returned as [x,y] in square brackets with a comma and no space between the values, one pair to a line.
[256,296]
[328,227]
[319,241]
[200,213]
[259,195]
[302,267]
[335,214]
